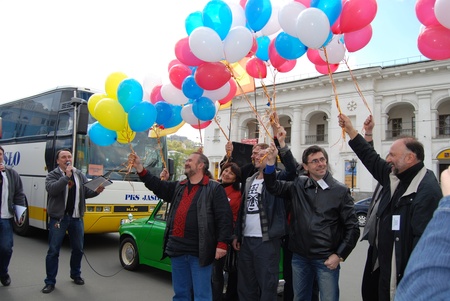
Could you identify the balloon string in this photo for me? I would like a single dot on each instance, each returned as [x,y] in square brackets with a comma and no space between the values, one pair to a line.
[357,87]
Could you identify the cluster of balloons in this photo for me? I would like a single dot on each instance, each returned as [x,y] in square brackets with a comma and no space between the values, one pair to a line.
[434,36]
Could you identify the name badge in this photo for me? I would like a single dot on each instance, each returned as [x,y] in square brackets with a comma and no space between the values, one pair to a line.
[396,222]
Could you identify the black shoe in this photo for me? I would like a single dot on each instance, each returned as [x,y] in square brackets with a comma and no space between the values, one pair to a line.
[78,280]
[48,288]
[6,280]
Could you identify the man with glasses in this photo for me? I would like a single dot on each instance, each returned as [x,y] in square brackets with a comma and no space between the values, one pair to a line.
[323,228]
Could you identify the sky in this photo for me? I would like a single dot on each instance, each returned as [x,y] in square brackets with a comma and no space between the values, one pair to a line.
[50,43]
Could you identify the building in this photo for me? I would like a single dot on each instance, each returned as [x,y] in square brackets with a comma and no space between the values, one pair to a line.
[408,99]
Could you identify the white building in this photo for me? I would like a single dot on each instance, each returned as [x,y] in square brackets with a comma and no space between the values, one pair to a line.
[409,99]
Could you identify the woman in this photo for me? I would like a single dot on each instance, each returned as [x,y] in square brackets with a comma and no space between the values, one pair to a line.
[230,177]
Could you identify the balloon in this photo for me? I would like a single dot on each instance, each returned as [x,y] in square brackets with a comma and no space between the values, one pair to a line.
[93,100]
[275,59]
[225,105]
[212,76]
[178,73]
[218,93]
[173,95]
[442,12]
[206,44]
[356,40]
[253,49]
[231,92]
[323,69]
[129,93]
[125,136]
[193,20]
[175,119]
[258,13]
[313,27]
[100,135]
[217,16]
[335,51]
[163,112]
[256,68]
[331,8]
[204,108]
[173,63]
[150,82]
[425,12]
[434,42]
[306,3]
[288,17]
[184,53]
[142,116]
[202,125]
[336,27]
[237,44]
[238,15]
[159,132]
[357,14]
[288,66]
[188,115]
[190,88]
[273,25]
[112,83]
[314,57]
[110,114]
[155,95]
[289,47]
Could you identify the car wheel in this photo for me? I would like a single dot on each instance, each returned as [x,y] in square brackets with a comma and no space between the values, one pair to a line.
[362,219]
[128,254]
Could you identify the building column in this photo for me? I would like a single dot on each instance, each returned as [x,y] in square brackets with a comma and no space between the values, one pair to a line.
[423,126]
[296,138]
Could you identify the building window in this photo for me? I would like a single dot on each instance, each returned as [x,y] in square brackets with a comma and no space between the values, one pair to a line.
[444,124]
[396,127]
[320,131]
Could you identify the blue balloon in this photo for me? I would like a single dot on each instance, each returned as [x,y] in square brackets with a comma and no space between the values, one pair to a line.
[262,51]
[190,88]
[193,21]
[100,135]
[258,13]
[289,47]
[142,116]
[164,112]
[176,118]
[331,8]
[217,16]
[129,93]
[204,108]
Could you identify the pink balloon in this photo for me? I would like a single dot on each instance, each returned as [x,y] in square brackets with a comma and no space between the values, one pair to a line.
[356,40]
[212,76]
[202,125]
[172,63]
[336,27]
[253,49]
[425,12]
[314,57]
[184,54]
[231,93]
[243,3]
[178,73]
[323,69]
[357,14]
[256,68]
[155,95]
[275,59]
[288,66]
[434,42]
[306,3]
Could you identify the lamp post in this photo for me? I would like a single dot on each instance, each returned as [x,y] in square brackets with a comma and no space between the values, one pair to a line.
[353,166]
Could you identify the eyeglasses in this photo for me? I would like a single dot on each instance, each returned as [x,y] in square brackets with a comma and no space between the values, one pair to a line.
[317,161]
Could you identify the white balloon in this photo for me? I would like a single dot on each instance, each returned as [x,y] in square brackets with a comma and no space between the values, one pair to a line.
[150,81]
[206,44]
[335,51]
[442,12]
[313,27]
[173,95]
[188,115]
[237,44]
[272,26]
[237,14]
[219,93]
[288,15]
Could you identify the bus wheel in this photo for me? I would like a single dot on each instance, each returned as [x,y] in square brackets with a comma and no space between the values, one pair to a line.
[22,226]
[128,254]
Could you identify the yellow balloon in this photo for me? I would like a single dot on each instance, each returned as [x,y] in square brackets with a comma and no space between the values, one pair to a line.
[225,105]
[125,136]
[93,100]
[164,132]
[110,114]
[112,83]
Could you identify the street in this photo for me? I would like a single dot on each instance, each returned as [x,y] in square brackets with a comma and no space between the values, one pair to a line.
[105,278]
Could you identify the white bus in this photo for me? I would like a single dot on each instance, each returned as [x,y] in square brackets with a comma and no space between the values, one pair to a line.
[34,128]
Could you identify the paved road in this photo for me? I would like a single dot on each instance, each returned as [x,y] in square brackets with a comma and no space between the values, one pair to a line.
[109,281]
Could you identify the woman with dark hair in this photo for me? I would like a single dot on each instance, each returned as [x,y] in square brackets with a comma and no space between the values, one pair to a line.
[230,178]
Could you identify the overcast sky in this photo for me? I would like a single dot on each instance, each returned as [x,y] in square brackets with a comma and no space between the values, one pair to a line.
[50,43]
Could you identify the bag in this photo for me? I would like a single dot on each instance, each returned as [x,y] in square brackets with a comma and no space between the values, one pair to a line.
[230,261]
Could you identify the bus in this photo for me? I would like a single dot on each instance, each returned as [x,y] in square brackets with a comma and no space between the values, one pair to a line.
[34,128]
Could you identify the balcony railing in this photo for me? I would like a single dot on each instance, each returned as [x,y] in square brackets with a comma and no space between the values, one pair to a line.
[316,139]
[393,134]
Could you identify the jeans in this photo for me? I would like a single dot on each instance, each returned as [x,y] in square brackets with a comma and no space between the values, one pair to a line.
[303,273]
[188,275]
[6,245]
[75,229]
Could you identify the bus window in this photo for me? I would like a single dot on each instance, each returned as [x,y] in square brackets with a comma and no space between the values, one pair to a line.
[65,123]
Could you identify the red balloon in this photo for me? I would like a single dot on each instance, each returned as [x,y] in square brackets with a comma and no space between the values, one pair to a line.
[275,59]
[314,57]
[172,63]
[323,69]
[178,73]
[155,95]
[256,68]
[212,76]
[356,40]
[306,3]
[184,54]
[425,12]
[202,125]
[253,49]
[231,93]
[336,27]
[288,66]
[434,42]
[357,14]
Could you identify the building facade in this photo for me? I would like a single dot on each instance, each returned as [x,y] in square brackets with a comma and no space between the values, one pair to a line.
[409,99]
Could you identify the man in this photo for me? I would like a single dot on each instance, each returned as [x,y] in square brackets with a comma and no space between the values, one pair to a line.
[66,205]
[199,225]
[323,227]
[261,225]
[409,196]
[11,193]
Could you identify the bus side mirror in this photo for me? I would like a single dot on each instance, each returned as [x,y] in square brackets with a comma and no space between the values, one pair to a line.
[83,119]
